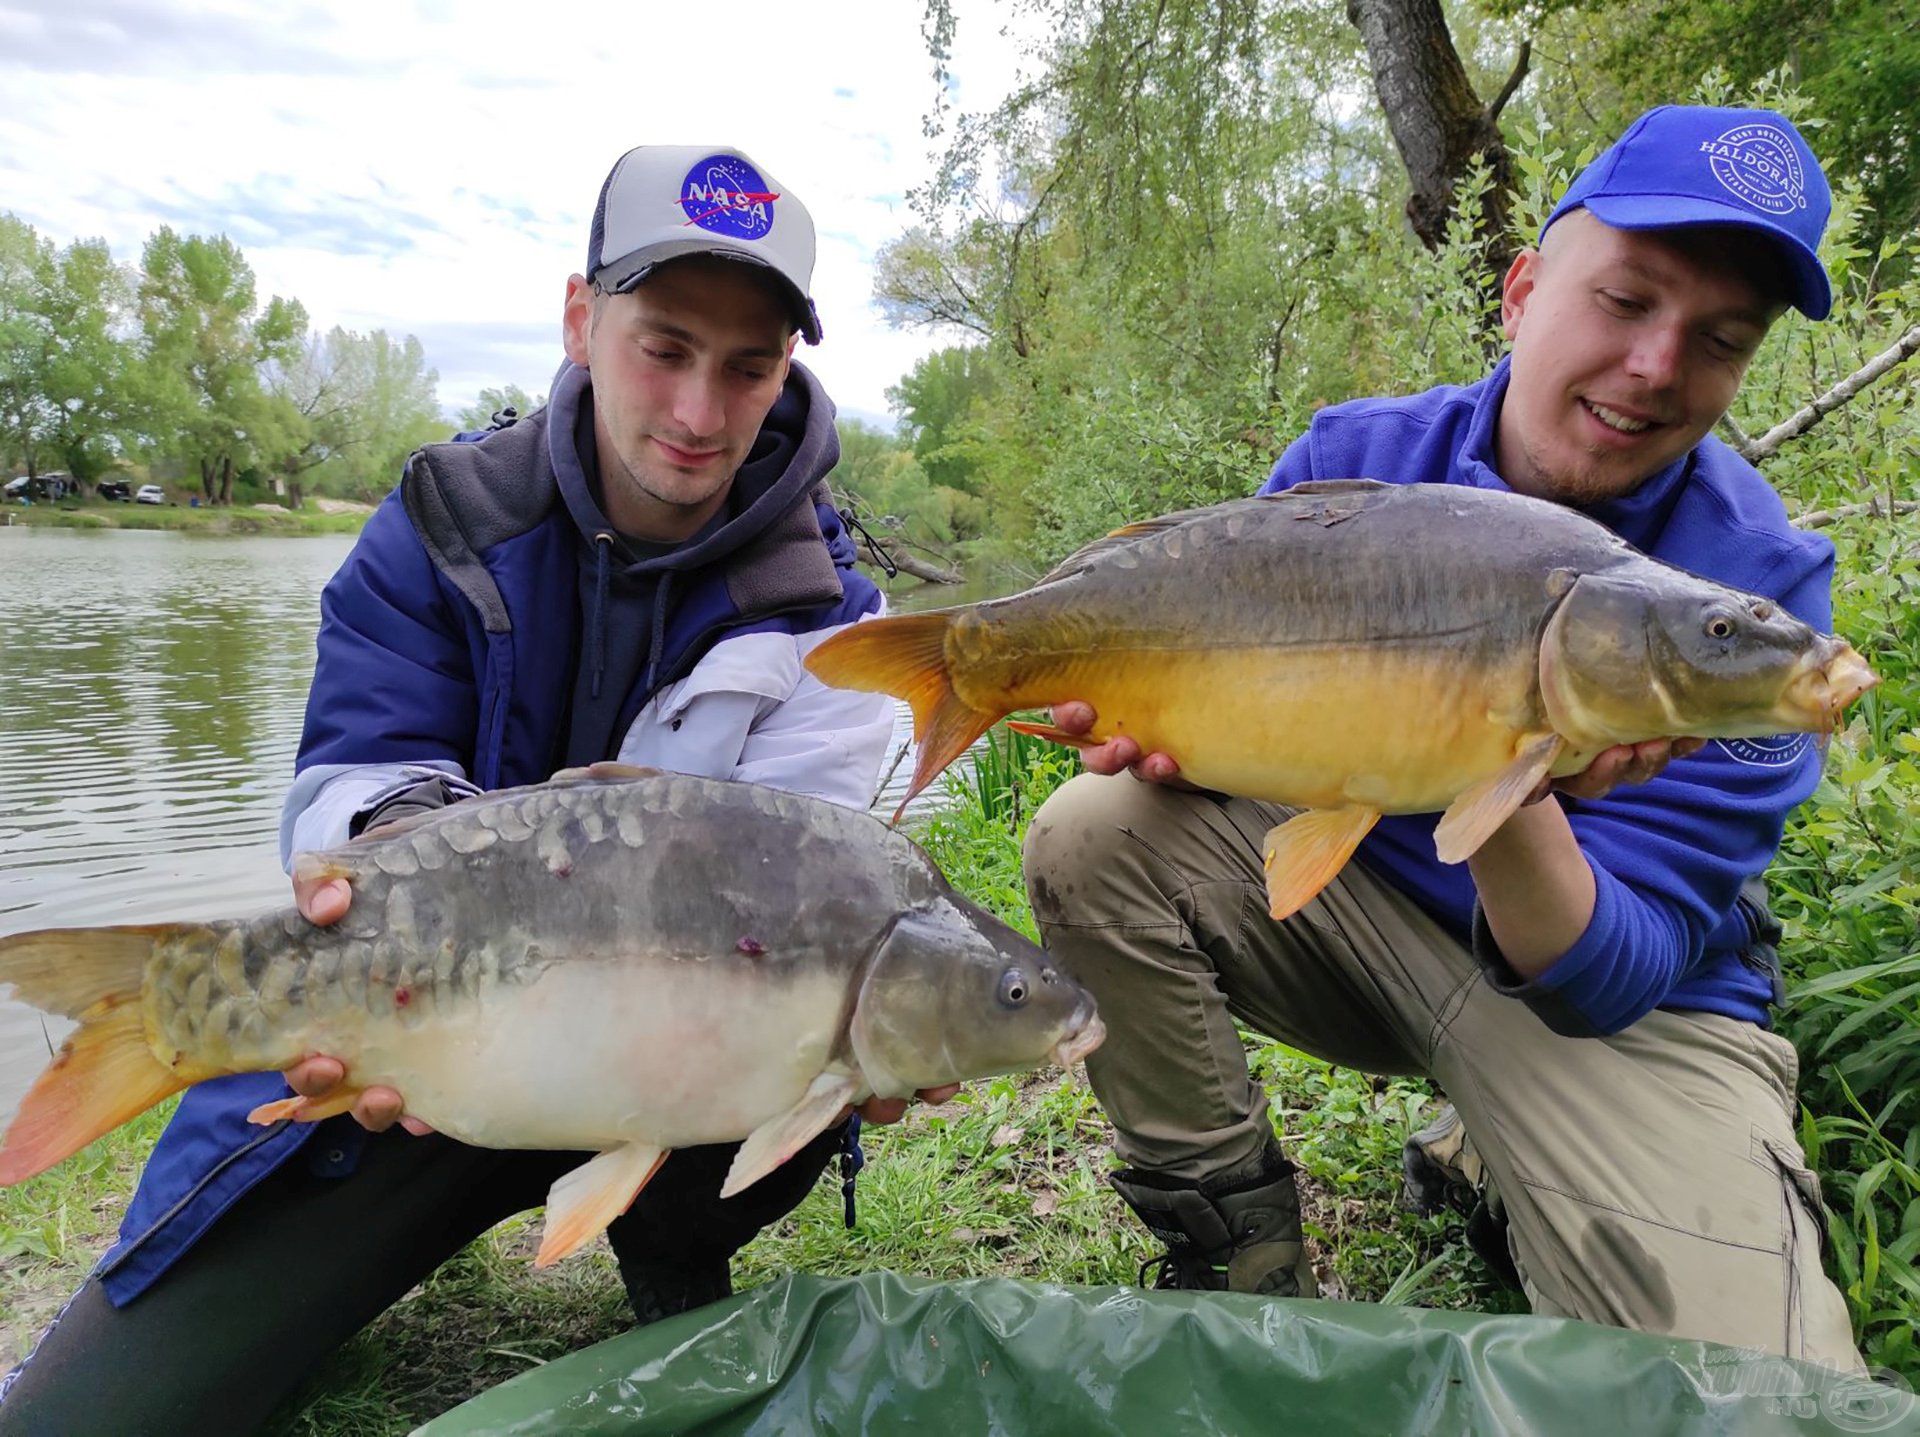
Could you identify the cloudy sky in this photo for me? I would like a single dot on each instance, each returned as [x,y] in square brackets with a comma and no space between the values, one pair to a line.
[430,166]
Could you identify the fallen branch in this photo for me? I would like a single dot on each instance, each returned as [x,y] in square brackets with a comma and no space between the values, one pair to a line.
[1820,518]
[921,569]
[881,792]
[1761,448]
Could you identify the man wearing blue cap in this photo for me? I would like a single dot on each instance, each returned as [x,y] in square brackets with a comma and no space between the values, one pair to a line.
[1592,988]
[635,572]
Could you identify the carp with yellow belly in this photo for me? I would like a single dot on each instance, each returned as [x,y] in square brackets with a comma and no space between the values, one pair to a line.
[1354,649]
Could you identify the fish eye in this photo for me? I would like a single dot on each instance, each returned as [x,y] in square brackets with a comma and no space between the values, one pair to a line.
[1719,627]
[1014,988]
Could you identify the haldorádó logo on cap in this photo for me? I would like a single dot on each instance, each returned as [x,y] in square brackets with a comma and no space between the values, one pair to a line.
[1759,165]
[725,194]
[1694,165]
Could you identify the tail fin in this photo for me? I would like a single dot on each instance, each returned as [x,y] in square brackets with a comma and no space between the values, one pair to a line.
[906,656]
[105,1073]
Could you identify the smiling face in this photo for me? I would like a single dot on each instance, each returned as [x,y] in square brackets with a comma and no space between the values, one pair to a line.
[1628,346]
[685,369]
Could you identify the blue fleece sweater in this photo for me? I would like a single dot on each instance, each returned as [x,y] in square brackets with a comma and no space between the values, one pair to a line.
[1668,857]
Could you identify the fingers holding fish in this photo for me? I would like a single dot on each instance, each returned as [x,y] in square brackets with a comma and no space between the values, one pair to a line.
[1117,753]
[1626,764]
[320,1084]
[880,1112]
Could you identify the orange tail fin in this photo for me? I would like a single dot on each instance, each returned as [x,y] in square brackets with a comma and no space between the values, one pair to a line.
[105,1073]
[906,656]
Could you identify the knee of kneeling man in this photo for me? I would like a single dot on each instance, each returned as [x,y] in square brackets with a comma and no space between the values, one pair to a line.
[1079,839]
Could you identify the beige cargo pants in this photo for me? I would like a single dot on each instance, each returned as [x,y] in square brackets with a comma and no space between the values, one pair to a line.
[1652,1179]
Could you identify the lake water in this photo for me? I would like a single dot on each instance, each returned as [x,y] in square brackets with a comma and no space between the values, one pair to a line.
[151,693]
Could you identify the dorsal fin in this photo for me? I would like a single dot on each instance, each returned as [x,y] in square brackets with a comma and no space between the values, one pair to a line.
[1128,534]
[1335,486]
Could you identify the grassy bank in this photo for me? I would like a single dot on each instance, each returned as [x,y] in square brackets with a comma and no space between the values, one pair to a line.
[258,518]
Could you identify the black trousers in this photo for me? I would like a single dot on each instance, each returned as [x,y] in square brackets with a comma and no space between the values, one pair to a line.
[302,1263]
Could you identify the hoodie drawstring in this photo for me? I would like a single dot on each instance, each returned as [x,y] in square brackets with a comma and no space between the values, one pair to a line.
[661,593]
[596,620]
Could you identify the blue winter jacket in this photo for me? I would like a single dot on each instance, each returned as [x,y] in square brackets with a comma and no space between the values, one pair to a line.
[452,633]
[1671,926]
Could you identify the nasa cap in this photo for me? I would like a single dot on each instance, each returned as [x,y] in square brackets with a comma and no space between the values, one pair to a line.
[1685,165]
[661,202]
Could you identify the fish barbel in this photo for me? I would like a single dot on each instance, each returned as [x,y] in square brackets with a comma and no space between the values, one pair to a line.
[622,965]
[1355,648]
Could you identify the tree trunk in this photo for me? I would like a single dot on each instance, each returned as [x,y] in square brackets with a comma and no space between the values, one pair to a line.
[1440,127]
[296,494]
[226,480]
[206,480]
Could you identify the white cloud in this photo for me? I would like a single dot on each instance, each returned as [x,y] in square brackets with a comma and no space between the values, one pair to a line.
[432,168]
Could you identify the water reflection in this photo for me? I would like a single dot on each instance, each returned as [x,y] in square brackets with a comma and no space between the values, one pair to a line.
[151,691]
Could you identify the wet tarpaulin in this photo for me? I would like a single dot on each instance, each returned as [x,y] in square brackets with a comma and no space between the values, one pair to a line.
[884,1354]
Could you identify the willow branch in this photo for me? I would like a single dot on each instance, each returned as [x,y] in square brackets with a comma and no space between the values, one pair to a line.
[1821,518]
[1904,349]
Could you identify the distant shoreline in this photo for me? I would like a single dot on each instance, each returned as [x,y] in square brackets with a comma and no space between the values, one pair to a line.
[234,519]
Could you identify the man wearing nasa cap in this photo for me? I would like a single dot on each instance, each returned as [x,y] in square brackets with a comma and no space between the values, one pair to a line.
[635,572]
[1592,988]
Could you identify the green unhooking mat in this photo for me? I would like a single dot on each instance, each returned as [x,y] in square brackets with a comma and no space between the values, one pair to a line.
[883,1354]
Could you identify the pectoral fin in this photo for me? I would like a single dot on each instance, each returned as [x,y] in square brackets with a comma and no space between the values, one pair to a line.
[603,770]
[307,1110]
[584,1201]
[778,1139]
[1056,735]
[1303,854]
[1472,817]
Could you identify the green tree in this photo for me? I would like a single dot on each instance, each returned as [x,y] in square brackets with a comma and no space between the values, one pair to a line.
[368,401]
[27,420]
[88,305]
[207,341]
[479,414]
[934,402]
[1854,65]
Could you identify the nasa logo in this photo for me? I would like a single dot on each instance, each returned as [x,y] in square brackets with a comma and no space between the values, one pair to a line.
[1758,164]
[1776,752]
[725,195]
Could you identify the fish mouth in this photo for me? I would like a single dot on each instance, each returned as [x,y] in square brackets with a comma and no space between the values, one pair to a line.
[1079,1042]
[1833,678]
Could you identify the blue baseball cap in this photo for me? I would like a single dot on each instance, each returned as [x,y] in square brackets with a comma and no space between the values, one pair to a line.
[1682,165]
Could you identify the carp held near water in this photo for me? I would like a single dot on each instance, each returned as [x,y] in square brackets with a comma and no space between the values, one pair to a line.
[616,961]
[1353,649]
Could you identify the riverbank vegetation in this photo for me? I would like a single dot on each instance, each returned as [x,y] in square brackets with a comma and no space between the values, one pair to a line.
[175,364]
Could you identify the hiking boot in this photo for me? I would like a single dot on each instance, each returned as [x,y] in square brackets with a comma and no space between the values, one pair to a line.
[1240,1233]
[1442,1170]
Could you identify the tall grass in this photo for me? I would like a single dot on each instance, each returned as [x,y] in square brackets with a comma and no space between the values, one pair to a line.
[1847,884]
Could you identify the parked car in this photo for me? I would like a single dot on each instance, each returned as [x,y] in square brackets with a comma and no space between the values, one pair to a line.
[149,494]
[118,490]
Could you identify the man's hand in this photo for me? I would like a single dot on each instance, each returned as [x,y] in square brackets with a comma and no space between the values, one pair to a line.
[1615,767]
[323,902]
[1117,753]
[880,1111]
